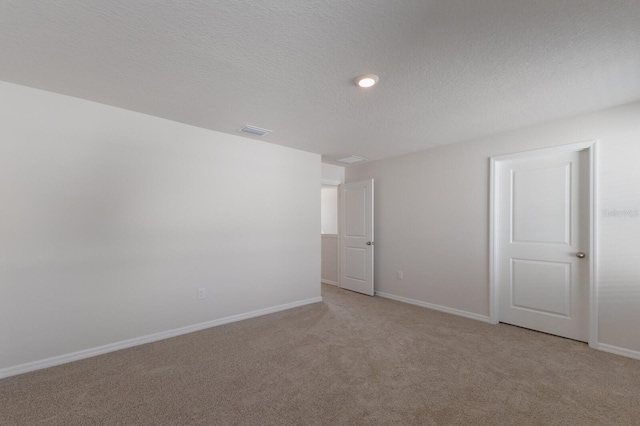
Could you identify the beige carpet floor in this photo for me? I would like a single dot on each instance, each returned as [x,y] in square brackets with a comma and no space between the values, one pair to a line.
[350,360]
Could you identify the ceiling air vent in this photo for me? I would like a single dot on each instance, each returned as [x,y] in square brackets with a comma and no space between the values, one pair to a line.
[351,159]
[258,131]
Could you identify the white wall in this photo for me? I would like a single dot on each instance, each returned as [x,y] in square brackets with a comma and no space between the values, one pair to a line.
[329,209]
[432,219]
[332,174]
[330,259]
[111,220]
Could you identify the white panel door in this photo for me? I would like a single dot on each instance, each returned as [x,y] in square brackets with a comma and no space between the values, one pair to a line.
[356,237]
[543,239]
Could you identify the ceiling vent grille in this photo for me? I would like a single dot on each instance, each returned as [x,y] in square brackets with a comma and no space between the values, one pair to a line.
[257,131]
[351,159]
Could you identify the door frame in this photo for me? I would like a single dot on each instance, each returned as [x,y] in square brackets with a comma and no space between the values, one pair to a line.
[494,228]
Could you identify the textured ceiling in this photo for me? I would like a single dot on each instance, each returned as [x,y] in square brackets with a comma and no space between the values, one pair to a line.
[449,69]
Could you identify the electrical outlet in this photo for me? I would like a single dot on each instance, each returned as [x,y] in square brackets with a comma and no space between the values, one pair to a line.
[400,275]
[201,293]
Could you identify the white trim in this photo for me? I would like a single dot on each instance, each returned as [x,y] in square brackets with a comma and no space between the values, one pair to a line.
[324,281]
[124,344]
[629,353]
[329,235]
[339,251]
[593,264]
[494,300]
[334,182]
[494,304]
[543,152]
[435,307]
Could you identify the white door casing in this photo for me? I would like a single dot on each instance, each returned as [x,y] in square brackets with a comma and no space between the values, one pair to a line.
[542,222]
[356,237]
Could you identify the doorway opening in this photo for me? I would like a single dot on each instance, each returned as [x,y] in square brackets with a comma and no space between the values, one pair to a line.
[330,261]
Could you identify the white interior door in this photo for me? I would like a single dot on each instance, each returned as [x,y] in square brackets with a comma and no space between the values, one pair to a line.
[543,238]
[356,237]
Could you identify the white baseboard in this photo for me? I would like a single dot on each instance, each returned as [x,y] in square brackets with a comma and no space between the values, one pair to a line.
[629,353]
[329,282]
[471,315]
[124,344]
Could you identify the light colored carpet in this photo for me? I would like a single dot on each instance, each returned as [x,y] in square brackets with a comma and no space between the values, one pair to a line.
[352,360]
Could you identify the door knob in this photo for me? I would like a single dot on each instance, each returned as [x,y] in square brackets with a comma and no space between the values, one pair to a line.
[580,255]
[369,243]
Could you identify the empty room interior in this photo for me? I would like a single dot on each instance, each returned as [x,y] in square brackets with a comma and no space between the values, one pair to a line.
[321,212]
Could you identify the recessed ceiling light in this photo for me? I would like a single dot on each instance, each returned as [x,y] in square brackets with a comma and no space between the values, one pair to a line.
[367,80]
[351,159]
